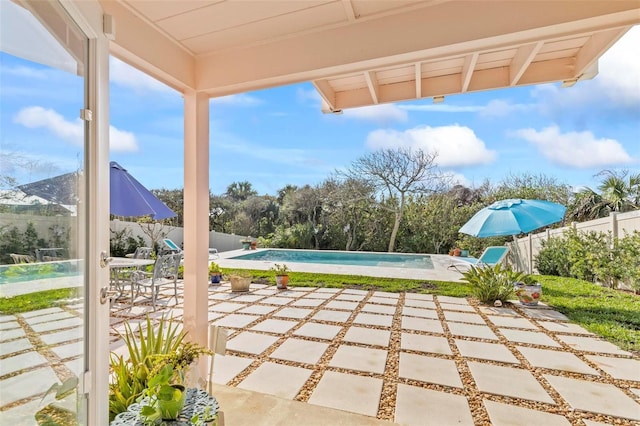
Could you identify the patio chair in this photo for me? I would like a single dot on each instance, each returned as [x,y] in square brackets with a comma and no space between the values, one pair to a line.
[165,273]
[489,257]
[142,253]
[22,258]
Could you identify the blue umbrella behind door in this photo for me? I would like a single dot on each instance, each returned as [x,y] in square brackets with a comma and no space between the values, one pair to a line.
[512,217]
[130,198]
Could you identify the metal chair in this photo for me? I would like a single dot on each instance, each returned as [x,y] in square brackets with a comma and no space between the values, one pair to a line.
[165,273]
[142,253]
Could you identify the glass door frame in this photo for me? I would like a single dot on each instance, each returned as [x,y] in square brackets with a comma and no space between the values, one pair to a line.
[88,16]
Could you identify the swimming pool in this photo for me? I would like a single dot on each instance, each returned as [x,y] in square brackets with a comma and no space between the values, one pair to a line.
[39,270]
[393,260]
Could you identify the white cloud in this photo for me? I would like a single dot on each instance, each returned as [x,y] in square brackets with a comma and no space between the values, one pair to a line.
[576,149]
[309,97]
[72,131]
[24,72]
[241,99]
[501,108]
[381,114]
[125,75]
[456,145]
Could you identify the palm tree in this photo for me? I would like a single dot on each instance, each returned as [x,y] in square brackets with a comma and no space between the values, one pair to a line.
[617,194]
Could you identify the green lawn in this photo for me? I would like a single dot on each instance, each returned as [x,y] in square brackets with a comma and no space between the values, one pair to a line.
[612,314]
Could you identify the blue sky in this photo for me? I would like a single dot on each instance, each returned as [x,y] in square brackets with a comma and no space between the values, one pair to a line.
[279,136]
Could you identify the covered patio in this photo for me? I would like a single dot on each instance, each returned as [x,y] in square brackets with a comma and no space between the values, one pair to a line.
[356,53]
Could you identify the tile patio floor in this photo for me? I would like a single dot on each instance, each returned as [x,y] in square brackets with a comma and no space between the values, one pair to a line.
[407,358]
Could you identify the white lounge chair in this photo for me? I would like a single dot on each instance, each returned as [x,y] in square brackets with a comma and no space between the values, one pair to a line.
[489,257]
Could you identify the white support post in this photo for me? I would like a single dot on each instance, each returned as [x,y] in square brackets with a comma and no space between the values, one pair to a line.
[196,218]
[530,254]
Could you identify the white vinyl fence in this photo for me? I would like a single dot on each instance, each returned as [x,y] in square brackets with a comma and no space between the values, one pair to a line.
[524,250]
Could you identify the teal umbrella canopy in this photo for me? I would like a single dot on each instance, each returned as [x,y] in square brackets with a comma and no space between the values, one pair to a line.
[512,217]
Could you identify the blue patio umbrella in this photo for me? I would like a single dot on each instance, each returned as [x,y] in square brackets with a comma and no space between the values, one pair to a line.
[512,217]
[130,198]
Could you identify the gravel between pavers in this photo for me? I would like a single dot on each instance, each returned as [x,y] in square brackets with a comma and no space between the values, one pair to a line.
[470,391]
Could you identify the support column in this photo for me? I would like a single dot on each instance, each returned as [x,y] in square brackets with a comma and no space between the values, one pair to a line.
[196,217]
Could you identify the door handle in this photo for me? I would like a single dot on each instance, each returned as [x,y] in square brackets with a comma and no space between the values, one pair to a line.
[104,259]
[106,294]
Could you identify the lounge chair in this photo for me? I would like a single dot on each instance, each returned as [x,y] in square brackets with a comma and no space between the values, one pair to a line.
[489,257]
[22,258]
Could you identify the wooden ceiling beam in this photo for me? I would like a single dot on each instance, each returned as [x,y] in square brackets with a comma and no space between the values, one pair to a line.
[522,59]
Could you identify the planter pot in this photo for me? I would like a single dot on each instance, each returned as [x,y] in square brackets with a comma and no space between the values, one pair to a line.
[282,281]
[246,245]
[239,284]
[215,278]
[254,245]
[170,410]
[528,295]
[457,252]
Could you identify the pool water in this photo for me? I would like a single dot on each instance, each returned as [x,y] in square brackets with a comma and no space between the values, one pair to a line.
[394,260]
[38,271]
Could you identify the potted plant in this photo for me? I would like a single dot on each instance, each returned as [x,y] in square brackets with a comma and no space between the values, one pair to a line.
[527,290]
[164,399]
[282,276]
[240,282]
[246,242]
[215,272]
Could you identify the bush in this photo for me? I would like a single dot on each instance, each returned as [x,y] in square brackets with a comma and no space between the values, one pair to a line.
[553,258]
[493,283]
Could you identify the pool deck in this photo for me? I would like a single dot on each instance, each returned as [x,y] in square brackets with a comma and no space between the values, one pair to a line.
[440,271]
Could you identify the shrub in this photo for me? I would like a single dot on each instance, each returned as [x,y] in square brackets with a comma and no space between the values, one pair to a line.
[629,259]
[553,258]
[493,283]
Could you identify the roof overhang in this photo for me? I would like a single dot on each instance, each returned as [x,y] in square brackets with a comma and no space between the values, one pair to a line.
[360,52]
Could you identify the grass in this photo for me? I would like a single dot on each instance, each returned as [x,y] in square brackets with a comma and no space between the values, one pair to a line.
[34,301]
[611,314]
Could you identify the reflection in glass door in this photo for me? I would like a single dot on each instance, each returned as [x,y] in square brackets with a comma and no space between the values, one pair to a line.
[42,218]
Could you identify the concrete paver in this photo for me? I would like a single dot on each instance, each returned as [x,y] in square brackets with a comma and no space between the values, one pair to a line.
[386,294]
[508,381]
[319,331]
[555,360]
[348,392]
[463,317]
[63,336]
[591,344]
[268,379]
[275,300]
[418,312]
[456,307]
[511,415]
[383,300]
[26,385]
[360,359]
[226,367]
[418,303]
[488,351]
[299,350]
[532,337]
[351,297]
[422,343]
[14,346]
[9,325]
[471,330]
[374,319]
[424,407]
[340,304]
[492,310]
[379,309]
[69,350]
[56,325]
[595,397]
[420,324]
[236,320]
[429,369]
[331,316]
[251,343]
[620,368]
[257,309]
[306,302]
[418,296]
[19,362]
[297,313]
[512,322]
[368,336]
[274,326]
[227,307]
[541,313]
[564,327]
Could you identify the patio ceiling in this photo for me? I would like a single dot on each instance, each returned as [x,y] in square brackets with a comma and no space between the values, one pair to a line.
[365,52]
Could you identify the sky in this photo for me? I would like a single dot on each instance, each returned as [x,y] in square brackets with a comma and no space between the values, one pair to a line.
[279,136]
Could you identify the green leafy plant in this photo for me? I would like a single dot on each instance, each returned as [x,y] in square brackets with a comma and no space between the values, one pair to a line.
[553,258]
[165,399]
[214,268]
[493,283]
[280,269]
[129,377]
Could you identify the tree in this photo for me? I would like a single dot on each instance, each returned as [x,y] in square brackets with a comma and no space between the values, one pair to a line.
[240,191]
[394,174]
[619,192]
